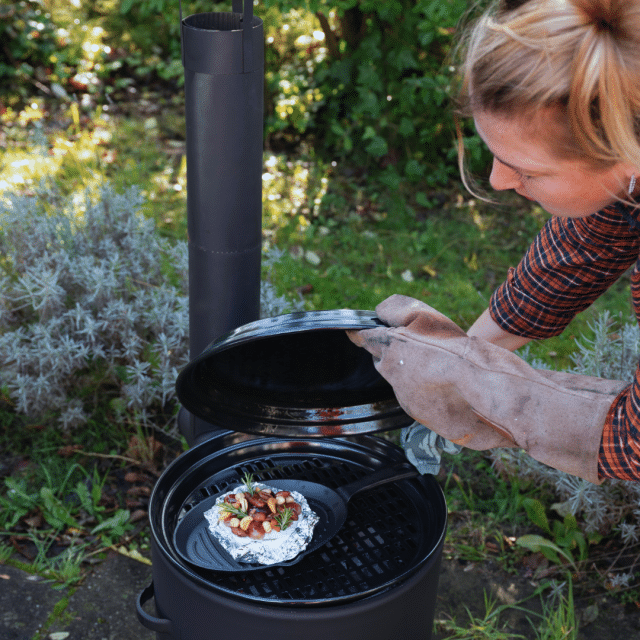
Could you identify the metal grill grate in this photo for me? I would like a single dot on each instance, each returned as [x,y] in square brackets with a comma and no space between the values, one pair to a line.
[384,537]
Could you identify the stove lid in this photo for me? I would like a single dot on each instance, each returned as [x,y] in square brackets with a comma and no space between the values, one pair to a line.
[295,375]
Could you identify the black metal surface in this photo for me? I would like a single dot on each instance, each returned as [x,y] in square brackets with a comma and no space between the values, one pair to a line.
[294,375]
[195,544]
[187,610]
[388,535]
[223,57]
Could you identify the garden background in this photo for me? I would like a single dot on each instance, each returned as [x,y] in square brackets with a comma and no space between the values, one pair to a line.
[361,199]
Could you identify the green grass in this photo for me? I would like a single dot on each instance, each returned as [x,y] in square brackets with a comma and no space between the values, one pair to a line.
[489,626]
[557,621]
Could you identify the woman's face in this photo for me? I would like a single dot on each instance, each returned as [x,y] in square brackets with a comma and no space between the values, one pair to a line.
[524,162]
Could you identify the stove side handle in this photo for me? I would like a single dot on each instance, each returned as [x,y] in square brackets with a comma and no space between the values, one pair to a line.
[159,625]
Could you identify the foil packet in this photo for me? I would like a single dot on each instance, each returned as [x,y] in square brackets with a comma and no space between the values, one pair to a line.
[275,547]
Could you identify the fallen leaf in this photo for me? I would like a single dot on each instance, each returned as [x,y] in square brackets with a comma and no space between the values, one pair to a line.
[589,615]
[68,450]
[34,521]
[312,257]
[134,555]
[144,450]
[139,491]
[429,270]
[138,514]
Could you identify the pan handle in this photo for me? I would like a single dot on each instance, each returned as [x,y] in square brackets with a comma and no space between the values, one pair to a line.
[160,625]
[381,476]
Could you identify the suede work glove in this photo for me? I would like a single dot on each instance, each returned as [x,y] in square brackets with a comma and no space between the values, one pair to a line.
[481,396]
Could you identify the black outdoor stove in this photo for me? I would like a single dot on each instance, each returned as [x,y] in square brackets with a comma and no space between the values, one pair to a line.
[285,398]
[377,579]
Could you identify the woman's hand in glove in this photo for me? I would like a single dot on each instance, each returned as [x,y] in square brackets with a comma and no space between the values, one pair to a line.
[482,396]
[418,372]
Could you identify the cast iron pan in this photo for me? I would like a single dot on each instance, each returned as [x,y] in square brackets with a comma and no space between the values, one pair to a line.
[195,544]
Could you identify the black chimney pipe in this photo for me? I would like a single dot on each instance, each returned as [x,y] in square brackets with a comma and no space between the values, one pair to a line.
[223,58]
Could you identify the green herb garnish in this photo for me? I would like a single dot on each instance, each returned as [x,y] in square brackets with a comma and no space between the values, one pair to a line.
[228,508]
[247,480]
[284,518]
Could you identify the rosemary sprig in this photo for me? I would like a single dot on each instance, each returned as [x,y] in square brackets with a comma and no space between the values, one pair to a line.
[228,508]
[284,518]
[247,480]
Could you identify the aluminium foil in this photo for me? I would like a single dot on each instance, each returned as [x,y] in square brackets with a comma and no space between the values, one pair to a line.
[275,547]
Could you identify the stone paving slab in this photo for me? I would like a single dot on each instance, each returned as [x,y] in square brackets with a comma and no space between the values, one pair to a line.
[103,607]
[26,602]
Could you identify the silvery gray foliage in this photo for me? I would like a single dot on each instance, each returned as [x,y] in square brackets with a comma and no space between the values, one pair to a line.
[87,303]
[611,353]
[621,579]
[93,297]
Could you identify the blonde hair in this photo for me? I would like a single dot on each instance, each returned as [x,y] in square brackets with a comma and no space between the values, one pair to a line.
[578,57]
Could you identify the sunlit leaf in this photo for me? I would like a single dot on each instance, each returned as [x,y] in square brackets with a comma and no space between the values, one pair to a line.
[115,524]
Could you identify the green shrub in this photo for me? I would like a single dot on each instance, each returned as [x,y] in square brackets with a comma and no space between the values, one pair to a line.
[367,82]
[31,52]
[94,313]
[379,97]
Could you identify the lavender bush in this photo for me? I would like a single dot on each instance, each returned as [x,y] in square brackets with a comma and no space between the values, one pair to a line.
[94,307]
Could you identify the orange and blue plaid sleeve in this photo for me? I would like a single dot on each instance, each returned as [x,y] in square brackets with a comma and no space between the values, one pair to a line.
[570,263]
[619,455]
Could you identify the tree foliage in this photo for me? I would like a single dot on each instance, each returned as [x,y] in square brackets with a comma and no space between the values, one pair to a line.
[368,81]
[384,86]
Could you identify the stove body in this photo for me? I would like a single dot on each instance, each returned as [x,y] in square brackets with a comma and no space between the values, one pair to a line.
[376,580]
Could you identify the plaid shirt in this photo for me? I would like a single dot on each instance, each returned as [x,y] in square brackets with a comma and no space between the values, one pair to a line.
[571,262]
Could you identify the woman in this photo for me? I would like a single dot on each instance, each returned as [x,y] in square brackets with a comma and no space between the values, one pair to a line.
[554,89]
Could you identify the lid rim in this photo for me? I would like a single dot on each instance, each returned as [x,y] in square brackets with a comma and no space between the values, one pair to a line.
[233,390]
